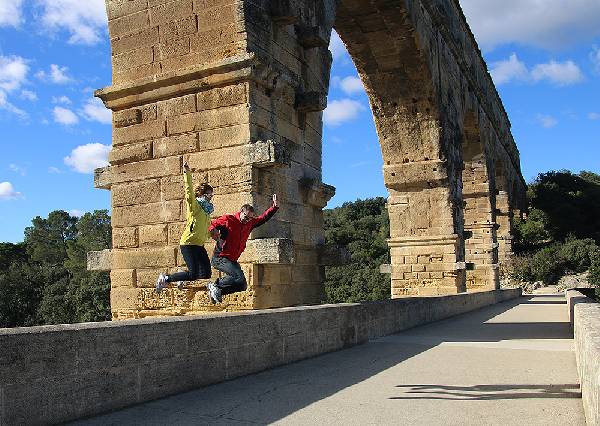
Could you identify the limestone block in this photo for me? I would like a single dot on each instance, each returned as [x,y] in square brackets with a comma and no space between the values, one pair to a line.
[147,214]
[175,230]
[222,97]
[146,278]
[173,48]
[122,278]
[123,298]
[103,177]
[311,101]
[266,154]
[177,106]
[283,12]
[269,250]
[316,193]
[132,193]
[153,234]
[215,16]
[177,29]
[132,59]
[119,8]
[130,153]
[124,237]
[311,36]
[175,145]
[128,24]
[174,10]
[208,119]
[126,43]
[127,117]
[100,260]
[224,137]
[222,36]
[153,129]
[144,258]
[137,73]
[385,268]
[140,170]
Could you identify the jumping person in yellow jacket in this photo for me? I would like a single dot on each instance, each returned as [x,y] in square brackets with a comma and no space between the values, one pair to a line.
[198,210]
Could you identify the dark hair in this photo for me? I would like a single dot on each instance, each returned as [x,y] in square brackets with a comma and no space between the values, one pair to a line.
[247,207]
[202,189]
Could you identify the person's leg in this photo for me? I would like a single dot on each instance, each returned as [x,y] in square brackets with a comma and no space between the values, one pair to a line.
[204,269]
[190,256]
[234,279]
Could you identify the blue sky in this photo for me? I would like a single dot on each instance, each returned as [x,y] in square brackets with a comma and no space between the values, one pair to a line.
[544,57]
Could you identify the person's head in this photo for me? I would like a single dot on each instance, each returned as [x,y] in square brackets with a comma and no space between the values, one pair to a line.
[204,190]
[247,213]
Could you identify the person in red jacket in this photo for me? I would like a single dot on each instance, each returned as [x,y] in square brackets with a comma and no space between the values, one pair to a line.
[231,232]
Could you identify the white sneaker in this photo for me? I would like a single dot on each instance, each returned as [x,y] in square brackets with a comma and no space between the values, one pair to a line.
[161,282]
[180,285]
[214,294]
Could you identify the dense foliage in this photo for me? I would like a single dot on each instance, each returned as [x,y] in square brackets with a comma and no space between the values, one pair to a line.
[44,279]
[561,234]
[362,227]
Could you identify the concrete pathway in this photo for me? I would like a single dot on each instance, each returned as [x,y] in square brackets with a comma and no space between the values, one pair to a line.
[508,364]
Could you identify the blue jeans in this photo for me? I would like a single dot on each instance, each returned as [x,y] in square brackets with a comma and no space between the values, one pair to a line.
[234,279]
[197,262]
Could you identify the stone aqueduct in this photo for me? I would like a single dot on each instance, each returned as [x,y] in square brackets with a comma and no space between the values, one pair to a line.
[237,88]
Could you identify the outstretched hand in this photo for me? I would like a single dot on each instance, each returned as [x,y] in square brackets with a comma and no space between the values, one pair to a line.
[275,203]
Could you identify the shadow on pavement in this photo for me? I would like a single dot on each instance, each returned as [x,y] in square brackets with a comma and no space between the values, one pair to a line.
[489,392]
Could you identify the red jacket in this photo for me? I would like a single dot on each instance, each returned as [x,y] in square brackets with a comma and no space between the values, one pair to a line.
[238,232]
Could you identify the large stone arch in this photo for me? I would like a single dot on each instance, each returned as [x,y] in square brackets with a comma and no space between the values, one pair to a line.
[237,89]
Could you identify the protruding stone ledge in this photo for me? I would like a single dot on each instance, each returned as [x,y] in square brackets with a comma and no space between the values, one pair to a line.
[267,154]
[422,174]
[316,194]
[429,240]
[311,102]
[99,260]
[386,268]
[102,178]
[310,37]
[264,251]
[177,83]
[282,12]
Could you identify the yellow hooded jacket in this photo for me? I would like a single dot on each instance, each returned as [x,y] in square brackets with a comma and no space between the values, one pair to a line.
[196,228]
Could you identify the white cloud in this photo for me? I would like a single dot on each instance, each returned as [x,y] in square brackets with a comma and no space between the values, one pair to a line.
[340,111]
[559,73]
[510,69]
[351,85]
[7,106]
[65,116]
[595,58]
[7,192]
[549,24]
[29,95]
[57,75]
[61,100]
[86,158]
[11,13]
[54,170]
[546,121]
[13,72]
[85,21]
[594,116]
[17,169]
[76,212]
[94,110]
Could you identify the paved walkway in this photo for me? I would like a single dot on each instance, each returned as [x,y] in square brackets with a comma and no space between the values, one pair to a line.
[508,364]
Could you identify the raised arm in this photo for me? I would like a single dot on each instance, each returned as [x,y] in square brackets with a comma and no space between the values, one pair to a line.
[190,198]
[268,214]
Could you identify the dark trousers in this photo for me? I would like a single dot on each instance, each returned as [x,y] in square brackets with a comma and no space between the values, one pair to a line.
[197,262]
[234,279]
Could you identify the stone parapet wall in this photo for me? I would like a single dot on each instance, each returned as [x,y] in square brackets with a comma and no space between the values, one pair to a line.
[53,374]
[584,314]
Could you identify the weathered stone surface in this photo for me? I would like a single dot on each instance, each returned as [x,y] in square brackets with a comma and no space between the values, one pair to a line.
[100,260]
[237,92]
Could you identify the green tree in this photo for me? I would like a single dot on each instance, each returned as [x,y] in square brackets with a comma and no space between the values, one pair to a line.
[362,227]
